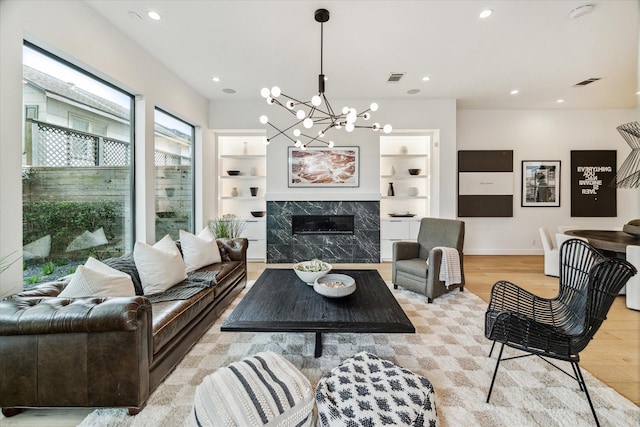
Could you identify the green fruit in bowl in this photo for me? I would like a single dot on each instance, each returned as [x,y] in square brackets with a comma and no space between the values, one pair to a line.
[313,266]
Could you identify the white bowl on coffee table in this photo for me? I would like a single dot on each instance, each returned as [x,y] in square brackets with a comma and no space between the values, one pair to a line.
[335,285]
[309,277]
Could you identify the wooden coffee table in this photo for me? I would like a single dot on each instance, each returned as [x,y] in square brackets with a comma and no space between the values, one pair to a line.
[280,302]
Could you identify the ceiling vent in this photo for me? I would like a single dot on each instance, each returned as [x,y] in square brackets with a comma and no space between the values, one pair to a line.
[586,82]
[395,77]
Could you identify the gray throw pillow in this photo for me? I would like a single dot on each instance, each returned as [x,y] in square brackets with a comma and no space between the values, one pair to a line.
[127,265]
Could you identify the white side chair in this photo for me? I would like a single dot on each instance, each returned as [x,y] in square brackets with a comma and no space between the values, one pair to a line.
[633,285]
[551,257]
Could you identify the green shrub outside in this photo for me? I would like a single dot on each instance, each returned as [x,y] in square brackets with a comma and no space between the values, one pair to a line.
[66,220]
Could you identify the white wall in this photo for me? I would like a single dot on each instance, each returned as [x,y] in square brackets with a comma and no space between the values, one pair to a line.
[402,114]
[72,30]
[541,135]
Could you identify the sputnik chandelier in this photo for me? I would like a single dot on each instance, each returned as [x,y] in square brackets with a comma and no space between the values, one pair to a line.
[314,113]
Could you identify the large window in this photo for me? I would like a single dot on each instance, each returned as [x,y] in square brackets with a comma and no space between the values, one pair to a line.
[174,175]
[77,167]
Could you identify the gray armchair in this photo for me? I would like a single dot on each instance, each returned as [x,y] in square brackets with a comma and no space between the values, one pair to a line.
[410,269]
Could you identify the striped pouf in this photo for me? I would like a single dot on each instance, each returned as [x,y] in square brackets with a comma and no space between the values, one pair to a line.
[261,389]
[366,391]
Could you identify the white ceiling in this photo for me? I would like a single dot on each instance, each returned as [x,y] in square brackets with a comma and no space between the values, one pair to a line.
[532,46]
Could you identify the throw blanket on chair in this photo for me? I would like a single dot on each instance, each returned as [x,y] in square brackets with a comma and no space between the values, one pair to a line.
[450,272]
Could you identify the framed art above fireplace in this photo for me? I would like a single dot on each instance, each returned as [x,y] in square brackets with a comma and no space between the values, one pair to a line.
[324,167]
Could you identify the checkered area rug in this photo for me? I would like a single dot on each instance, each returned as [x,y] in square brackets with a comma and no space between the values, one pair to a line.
[448,348]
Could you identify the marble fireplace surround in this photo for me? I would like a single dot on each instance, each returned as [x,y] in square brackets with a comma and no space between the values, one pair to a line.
[363,246]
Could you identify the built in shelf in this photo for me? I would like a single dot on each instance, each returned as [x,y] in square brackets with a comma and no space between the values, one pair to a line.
[405,197]
[406,156]
[242,198]
[404,176]
[243,156]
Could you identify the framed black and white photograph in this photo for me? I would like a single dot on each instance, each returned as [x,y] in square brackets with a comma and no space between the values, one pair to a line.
[540,183]
[324,167]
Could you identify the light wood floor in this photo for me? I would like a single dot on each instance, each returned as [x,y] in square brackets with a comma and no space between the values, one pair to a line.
[613,356]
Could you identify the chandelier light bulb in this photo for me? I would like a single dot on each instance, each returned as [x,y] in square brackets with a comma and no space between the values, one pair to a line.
[300,114]
[351,118]
[291,105]
[270,100]
[387,129]
[331,144]
[275,91]
[265,92]
[304,147]
[338,126]
[298,143]
[266,141]
[375,126]
[345,110]
[320,134]
[307,123]
[296,132]
[349,127]
[316,100]
[353,111]
[264,120]
[373,106]
[366,116]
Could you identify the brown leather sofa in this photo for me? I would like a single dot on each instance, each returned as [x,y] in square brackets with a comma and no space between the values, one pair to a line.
[104,352]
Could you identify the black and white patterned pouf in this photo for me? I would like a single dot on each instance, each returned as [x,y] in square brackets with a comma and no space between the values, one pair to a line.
[262,389]
[366,390]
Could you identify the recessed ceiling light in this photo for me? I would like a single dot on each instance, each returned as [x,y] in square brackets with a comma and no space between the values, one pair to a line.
[413,91]
[580,11]
[426,78]
[514,92]
[134,15]
[485,13]
[154,15]
[215,79]
[229,91]
[560,101]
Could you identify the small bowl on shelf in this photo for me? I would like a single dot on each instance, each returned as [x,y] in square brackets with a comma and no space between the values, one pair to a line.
[258,214]
[233,172]
[414,171]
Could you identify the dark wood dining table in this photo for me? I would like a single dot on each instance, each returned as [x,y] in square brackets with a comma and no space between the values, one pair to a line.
[607,240]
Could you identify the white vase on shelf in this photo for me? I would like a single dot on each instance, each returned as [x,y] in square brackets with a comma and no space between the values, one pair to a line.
[234,192]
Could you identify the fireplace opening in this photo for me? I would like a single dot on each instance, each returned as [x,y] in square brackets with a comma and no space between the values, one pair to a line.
[321,224]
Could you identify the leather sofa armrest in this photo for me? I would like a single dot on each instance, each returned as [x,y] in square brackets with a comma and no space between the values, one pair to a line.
[30,315]
[235,248]
[405,250]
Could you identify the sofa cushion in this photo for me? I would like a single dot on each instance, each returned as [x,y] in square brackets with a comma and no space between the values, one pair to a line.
[160,266]
[171,317]
[126,264]
[97,279]
[199,251]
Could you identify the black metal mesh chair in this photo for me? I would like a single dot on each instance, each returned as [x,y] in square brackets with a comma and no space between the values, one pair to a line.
[560,327]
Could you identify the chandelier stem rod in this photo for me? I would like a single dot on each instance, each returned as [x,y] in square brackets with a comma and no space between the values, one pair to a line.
[321,46]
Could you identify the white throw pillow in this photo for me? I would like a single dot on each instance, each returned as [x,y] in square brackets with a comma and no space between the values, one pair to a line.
[199,250]
[97,279]
[160,266]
